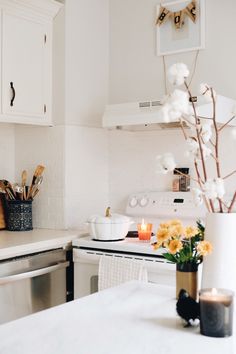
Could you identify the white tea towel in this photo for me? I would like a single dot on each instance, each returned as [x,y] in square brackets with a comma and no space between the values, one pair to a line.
[115,270]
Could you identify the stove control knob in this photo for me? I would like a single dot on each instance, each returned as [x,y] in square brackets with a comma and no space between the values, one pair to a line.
[143,201]
[133,202]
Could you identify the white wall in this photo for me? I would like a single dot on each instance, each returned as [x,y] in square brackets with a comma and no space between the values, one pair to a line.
[7,151]
[86,93]
[86,61]
[136,73]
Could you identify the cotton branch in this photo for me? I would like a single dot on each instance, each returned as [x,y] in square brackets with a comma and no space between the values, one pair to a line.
[232,203]
[216,143]
[230,174]
[223,126]
[198,133]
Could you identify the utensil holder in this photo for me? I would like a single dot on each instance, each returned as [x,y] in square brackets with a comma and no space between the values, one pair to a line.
[19,215]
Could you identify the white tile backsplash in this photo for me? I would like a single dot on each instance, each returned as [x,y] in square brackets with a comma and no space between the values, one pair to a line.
[86,186]
[46,146]
[7,151]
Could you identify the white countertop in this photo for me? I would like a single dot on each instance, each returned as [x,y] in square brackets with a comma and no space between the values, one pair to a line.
[13,243]
[134,318]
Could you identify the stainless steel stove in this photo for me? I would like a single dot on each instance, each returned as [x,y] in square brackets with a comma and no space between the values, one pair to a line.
[153,207]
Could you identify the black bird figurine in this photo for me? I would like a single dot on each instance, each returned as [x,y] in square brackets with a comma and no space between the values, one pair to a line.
[187,308]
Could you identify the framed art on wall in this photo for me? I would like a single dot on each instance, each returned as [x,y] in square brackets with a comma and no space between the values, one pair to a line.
[180,26]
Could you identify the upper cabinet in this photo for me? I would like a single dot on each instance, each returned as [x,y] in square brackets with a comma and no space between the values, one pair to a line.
[26,67]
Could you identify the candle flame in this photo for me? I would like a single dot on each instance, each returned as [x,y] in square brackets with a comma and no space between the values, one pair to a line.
[143,226]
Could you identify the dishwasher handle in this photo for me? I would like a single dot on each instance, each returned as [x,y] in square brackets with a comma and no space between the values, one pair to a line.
[33,273]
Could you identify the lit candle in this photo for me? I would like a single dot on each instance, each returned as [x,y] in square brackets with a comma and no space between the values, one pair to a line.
[216,312]
[144,231]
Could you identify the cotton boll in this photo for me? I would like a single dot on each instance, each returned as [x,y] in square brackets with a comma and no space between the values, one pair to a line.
[197,196]
[206,131]
[214,188]
[192,146]
[220,187]
[206,151]
[179,101]
[177,74]
[175,106]
[165,110]
[165,163]
[210,189]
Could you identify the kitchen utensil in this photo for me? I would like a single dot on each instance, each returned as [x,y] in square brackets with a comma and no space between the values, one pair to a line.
[19,191]
[23,182]
[110,227]
[6,185]
[35,189]
[38,172]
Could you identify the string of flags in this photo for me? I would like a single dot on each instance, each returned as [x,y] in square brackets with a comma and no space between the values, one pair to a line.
[177,16]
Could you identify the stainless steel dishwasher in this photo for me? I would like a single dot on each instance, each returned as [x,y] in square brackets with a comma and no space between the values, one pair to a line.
[32,283]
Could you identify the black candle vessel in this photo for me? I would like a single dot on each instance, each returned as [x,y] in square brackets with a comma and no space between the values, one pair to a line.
[216,312]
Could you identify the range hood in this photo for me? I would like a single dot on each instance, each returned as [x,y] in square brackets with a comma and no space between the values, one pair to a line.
[148,115]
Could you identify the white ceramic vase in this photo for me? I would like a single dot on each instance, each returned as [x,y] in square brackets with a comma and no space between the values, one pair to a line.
[219,268]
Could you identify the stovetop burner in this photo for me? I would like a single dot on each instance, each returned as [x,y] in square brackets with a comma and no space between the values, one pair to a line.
[134,234]
[117,240]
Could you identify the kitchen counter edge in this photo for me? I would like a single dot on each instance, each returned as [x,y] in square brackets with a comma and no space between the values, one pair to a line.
[14,244]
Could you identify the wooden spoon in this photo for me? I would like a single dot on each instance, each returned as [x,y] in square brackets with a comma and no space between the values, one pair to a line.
[23,182]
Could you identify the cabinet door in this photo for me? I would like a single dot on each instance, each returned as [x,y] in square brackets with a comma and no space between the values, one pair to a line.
[25,69]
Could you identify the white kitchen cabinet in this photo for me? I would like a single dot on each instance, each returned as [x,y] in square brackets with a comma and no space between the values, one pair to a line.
[26,67]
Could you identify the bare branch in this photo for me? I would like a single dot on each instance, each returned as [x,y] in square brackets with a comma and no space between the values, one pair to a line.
[230,174]
[232,203]
[200,182]
[183,130]
[216,143]
[223,126]
[197,131]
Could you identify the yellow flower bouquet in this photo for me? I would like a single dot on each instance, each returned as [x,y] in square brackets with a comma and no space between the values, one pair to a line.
[183,245]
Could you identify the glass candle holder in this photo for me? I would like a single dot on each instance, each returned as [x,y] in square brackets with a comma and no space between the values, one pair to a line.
[216,312]
[144,231]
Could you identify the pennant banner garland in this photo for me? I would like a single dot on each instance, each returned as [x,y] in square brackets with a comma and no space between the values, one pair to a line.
[178,16]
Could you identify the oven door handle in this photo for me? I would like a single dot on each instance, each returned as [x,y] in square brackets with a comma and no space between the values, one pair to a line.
[33,273]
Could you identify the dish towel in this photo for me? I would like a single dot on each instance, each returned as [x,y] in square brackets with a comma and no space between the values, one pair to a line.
[115,270]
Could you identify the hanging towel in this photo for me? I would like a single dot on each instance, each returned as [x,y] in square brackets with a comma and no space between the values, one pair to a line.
[115,270]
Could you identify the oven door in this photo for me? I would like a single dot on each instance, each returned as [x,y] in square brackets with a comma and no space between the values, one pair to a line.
[86,262]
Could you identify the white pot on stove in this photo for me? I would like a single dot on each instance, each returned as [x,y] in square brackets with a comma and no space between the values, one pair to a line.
[109,227]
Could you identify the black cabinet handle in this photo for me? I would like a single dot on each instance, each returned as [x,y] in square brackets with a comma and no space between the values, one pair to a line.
[13,93]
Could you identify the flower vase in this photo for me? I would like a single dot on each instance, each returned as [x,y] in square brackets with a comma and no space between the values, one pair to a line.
[187,279]
[219,268]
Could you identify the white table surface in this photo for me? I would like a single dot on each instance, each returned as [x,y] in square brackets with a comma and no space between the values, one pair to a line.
[134,318]
[13,243]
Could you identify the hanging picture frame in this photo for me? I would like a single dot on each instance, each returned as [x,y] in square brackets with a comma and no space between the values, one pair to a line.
[171,38]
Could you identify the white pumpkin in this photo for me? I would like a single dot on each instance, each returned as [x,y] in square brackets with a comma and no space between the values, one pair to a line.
[109,227]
